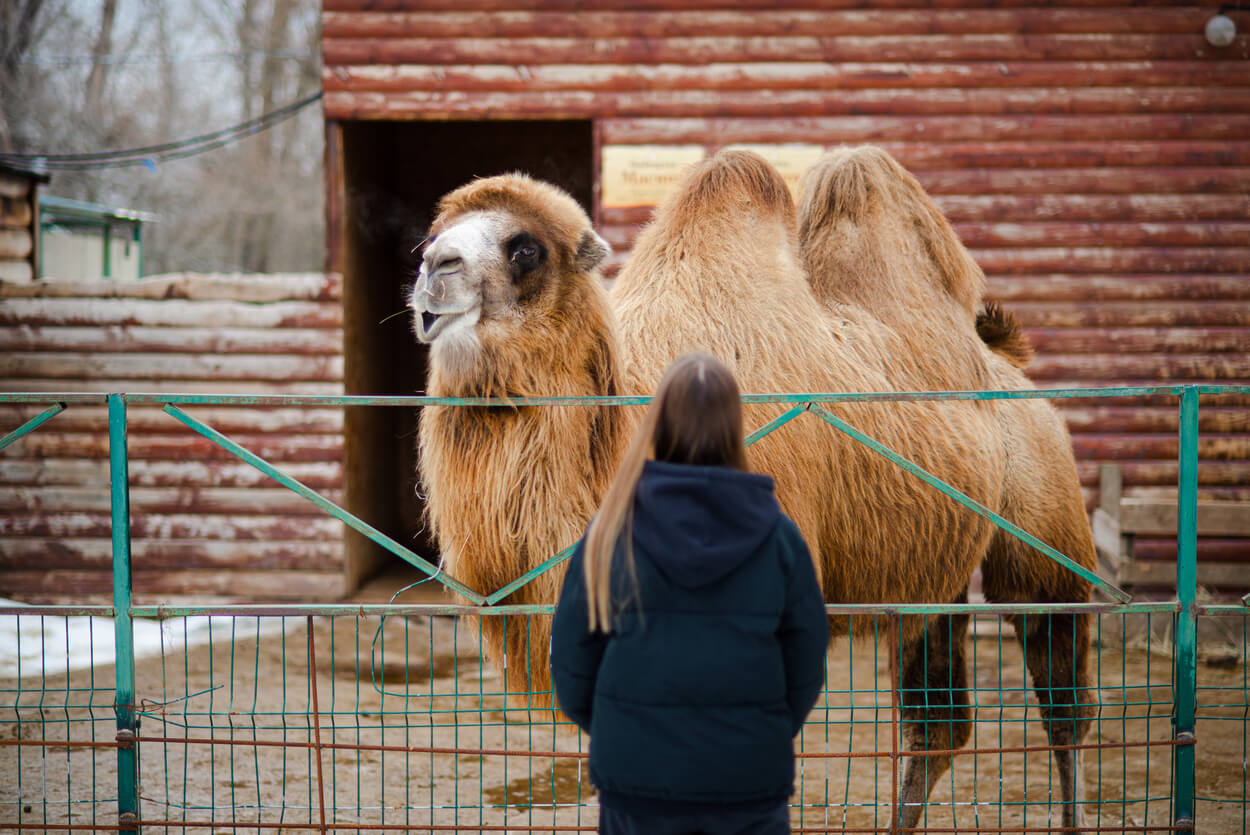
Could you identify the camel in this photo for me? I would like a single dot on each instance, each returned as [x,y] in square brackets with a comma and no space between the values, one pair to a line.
[855,293]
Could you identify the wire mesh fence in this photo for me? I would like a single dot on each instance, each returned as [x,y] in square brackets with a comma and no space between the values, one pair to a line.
[388,718]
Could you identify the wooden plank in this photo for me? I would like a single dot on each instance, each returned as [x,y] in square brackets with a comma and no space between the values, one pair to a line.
[14,212]
[1206,368]
[174,526]
[1122,446]
[218,367]
[1139,340]
[190,340]
[190,499]
[248,420]
[15,243]
[668,5]
[186,445]
[781,75]
[1140,287]
[1164,473]
[174,385]
[168,313]
[1083,180]
[704,50]
[149,554]
[1163,574]
[455,104]
[712,22]
[1155,518]
[835,129]
[1152,419]
[1114,259]
[229,287]
[83,586]
[324,476]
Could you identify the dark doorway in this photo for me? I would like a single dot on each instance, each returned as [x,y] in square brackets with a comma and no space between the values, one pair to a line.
[391,177]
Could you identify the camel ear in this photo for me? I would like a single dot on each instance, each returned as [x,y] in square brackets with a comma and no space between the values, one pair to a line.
[591,250]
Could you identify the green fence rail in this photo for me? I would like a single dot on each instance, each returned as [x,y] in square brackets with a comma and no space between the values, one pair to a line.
[1180,618]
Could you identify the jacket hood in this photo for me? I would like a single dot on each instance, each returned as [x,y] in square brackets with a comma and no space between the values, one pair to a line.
[698,524]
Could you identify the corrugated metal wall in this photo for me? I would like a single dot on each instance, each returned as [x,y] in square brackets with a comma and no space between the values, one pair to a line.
[1095,156]
[204,523]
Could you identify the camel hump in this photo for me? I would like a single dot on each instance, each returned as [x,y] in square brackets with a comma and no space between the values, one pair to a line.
[866,188]
[729,177]
[1000,330]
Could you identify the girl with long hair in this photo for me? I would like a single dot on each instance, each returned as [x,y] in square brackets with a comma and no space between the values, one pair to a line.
[690,635]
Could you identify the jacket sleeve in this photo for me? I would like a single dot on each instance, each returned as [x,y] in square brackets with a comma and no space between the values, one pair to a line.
[804,631]
[575,650]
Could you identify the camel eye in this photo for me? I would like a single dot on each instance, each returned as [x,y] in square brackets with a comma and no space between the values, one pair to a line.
[525,252]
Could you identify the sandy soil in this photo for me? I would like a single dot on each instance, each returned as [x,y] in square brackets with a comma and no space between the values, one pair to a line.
[427,688]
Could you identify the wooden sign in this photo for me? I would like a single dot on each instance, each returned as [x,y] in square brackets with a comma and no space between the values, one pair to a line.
[641,175]
[790,160]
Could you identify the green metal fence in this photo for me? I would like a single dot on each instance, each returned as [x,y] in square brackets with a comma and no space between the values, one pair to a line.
[385,717]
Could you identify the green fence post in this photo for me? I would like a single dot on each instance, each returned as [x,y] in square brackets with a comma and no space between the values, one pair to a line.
[1185,674]
[123,628]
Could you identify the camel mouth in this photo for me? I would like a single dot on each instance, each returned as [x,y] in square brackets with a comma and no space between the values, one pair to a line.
[427,321]
[436,324]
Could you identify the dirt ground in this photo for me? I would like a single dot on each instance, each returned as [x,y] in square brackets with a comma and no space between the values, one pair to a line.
[252,691]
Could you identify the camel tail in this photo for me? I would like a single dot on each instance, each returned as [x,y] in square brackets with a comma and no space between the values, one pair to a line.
[1001,331]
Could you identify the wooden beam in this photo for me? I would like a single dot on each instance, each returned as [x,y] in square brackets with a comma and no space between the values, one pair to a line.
[1149,517]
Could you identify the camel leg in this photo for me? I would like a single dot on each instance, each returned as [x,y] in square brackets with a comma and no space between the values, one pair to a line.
[1055,649]
[936,715]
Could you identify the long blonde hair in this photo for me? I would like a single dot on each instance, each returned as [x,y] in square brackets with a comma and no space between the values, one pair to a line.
[695,418]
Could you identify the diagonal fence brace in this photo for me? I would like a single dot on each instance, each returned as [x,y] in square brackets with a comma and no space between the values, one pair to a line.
[32,424]
[972,504]
[325,504]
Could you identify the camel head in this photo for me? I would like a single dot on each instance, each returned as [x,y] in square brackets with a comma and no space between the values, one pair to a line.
[501,256]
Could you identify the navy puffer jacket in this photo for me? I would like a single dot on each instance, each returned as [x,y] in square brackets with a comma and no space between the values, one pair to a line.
[715,658]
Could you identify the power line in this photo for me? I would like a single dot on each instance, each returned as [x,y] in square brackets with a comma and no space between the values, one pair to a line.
[150,155]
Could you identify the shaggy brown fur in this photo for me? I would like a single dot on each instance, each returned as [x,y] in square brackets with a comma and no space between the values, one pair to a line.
[507,488]
[891,304]
[999,329]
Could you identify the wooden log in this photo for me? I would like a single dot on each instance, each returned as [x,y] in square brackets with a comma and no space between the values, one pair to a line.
[1152,517]
[248,420]
[1164,473]
[86,587]
[15,273]
[168,313]
[171,386]
[1119,447]
[15,243]
[169,555]
[834,129]
[1195,368]
[704,50]
[1089,181]
[1141,287]
[1216,549]
[1148,419]
[825,23]
[15,212]
[228,287]
[1152,574]
[322,476]
[189,499]
[1097,207]
[1213,233]
[174,526]
[187,445]
[1139,340]
[588,6]
[219,367]
[780,75]
[14,187]
[455,104]
[1111,259]
[128,339]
